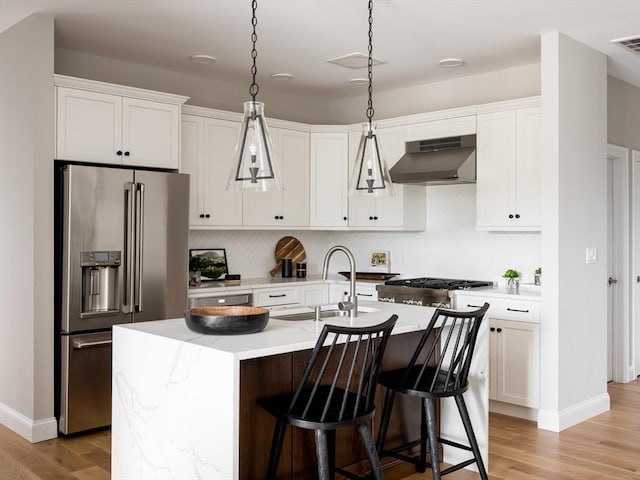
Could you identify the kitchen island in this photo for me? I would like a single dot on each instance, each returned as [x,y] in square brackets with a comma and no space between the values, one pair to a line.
[184,403]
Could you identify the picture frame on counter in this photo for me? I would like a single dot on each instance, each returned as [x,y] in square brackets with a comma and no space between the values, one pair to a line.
[379,261]
[210,262]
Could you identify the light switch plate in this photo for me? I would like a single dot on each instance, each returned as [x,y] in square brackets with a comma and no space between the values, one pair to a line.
[592,255]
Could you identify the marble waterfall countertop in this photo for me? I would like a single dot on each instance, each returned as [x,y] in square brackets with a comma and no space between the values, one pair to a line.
[176,393]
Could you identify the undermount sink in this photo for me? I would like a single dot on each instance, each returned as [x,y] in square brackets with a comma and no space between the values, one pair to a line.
[310,315]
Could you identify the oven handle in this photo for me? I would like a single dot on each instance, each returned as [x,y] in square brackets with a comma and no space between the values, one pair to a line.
[79,344]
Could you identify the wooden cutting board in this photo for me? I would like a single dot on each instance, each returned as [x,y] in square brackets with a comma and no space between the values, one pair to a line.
[288,247]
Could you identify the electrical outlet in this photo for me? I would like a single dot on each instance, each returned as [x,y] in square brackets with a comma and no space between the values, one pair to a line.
[592,255]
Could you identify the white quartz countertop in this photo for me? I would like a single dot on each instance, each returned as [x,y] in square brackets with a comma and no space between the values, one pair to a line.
[282,336]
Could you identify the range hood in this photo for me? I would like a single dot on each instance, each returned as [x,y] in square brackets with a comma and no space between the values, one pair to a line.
[441,161]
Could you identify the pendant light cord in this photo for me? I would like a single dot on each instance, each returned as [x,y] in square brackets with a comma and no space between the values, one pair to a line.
[254,88]
[370,110]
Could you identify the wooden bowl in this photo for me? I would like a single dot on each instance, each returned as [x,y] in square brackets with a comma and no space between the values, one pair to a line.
[230,320]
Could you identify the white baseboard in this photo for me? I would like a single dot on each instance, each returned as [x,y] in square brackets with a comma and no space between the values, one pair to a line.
[33,430]
[558,420]
[513,410]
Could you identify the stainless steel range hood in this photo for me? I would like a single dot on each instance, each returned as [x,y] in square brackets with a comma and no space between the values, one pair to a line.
[440,161]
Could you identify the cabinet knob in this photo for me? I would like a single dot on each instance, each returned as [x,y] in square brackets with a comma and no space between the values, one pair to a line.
[492,329]
[207,215]
[202,215]
[370,218]
[126,154]
[499,330]
[375,217]
[276,217]
[517,215]
[511,215]
[119,152]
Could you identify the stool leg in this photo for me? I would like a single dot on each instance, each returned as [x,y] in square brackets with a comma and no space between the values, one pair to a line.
[367,439]
[322,454]
[432,427]
[331,444]
[466,421]
[276,449]
[422,461]
[384,419]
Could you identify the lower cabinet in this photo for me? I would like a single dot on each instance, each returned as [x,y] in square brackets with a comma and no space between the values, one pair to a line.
[339,292]
[514,348]
[278,374]
[514,372]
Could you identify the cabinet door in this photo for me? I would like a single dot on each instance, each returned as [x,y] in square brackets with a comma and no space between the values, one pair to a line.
[496,152]
[221,207]
[362,210]
[293,151]
[150,133]
[528,172]
[518,362]
[310,295]
[389,211]
[89,126]
[290,206]
[192,146]
[328,179]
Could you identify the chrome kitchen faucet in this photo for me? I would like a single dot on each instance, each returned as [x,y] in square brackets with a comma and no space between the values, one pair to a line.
[352,303]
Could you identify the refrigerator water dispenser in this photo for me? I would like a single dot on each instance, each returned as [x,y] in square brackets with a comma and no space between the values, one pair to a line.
[100,281]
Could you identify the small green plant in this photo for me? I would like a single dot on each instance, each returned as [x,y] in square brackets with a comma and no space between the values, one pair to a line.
[510,273]
[538,271]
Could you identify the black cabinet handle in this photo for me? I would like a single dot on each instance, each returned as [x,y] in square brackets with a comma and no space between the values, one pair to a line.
[202,215]
[473,306]
[517,215]
[126,154]
[511,215]
[375,218]
[364,294]
[278,296]
[516,310]
[207,216]
[279,217]
[119,152]
[498,330]
[344,218]
[492,329]
[370,218]
[276,217]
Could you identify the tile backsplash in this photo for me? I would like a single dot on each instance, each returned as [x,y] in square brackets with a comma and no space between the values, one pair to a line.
[449,247]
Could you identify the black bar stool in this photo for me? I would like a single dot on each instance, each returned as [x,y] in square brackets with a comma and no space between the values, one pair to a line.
[438,368]
[336,390]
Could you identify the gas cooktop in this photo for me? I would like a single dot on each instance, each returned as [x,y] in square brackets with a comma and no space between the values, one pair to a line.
[438,283]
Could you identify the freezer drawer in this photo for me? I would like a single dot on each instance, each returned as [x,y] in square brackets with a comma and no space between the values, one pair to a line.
[85,392]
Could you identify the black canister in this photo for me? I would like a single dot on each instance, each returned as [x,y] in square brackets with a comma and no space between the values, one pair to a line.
[287,268]
[301,270]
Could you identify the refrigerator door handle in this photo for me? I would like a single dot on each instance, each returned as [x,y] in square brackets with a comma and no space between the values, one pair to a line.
[139,245]
[128,248]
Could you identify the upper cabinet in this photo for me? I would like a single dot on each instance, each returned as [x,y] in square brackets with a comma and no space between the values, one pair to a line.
[208,147]
[104,123]
[290,206]
[508,168]
[406,210]
[329,202]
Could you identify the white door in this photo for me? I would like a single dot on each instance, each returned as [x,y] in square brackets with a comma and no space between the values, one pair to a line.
[619,329]
[635,324]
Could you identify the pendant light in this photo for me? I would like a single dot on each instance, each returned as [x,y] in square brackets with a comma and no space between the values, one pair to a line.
[370,177]
[255,167]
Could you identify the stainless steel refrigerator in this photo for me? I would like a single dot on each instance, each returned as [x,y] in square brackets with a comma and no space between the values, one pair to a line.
[123,258]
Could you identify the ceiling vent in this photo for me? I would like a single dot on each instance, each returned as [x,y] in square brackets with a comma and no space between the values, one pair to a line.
[354,60]
[629,43]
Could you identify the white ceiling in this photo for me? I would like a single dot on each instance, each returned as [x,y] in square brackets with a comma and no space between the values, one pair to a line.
[298,36]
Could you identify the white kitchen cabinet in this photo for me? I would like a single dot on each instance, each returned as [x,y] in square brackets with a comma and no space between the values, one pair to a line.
[290,206]
[364,290]
[96,124]
[271,297]
[314,294]
[329,202]
[508,169]
[208,147]
[406,210]
[514,339]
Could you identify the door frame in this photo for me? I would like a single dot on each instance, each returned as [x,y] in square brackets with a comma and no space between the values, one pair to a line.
[623,326]
[634,331]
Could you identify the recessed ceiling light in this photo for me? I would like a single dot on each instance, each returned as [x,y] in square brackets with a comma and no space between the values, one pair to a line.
[202,58]
[282,76]
[451,62]
[359,81]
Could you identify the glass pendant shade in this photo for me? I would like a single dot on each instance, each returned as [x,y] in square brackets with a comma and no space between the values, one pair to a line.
[255,168]
[370,177]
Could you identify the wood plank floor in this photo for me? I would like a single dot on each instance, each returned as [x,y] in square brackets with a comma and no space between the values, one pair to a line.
[606,447]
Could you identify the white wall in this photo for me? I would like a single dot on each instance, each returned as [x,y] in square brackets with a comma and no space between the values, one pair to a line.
[449,247]
[26,213]
[623,113]
[573,317]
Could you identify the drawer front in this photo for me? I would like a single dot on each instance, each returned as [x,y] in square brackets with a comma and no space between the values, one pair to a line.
[521,311]
[274,296]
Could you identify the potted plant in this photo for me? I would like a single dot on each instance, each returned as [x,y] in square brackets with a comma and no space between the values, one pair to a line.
[513,280]
[537,277]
